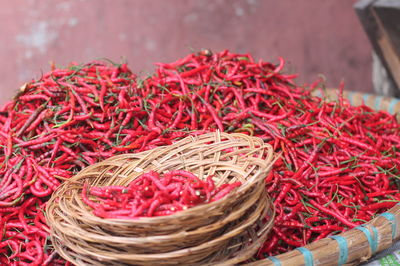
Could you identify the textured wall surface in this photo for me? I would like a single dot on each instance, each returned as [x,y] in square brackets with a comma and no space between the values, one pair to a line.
[315,37]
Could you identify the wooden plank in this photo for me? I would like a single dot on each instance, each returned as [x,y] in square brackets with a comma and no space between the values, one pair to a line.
[387,15]
[371,13]
[388,12]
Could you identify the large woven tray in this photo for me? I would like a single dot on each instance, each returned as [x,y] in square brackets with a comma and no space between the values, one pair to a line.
[358,244]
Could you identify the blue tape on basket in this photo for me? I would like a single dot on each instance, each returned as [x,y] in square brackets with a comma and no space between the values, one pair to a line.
[392,105]
[343,249]
[318,93]
[392,219]
[375,230]
[275,261]
[308,257]
[365,98]
[378,101]
[350,97]
[372,239]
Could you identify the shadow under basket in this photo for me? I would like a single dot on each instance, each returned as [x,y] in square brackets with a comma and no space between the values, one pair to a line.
[227,231]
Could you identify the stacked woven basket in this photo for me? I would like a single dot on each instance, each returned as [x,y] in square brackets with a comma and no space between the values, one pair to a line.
[226,231]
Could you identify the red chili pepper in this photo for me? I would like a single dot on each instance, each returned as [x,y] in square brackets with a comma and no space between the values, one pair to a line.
[379,205]
[37,141]
[340,218]
[222,193]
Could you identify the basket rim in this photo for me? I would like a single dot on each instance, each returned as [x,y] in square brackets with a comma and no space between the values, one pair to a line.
[243,188]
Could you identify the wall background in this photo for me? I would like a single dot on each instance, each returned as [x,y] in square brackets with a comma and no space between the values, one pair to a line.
[315,37]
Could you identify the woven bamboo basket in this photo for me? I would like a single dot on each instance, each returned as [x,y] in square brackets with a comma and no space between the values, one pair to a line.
[226,231]
[358,244]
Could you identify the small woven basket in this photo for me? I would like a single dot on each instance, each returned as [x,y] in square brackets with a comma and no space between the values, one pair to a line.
[226,231]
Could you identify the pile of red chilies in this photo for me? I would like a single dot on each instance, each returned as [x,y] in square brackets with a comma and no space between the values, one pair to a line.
[339,165]
[153,195]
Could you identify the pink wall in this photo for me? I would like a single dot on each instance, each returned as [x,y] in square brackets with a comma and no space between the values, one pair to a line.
[314,36]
